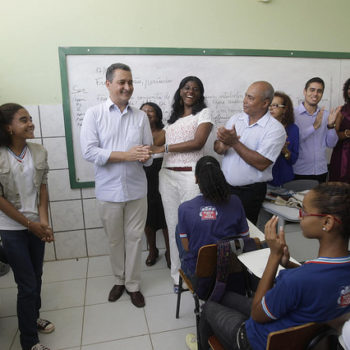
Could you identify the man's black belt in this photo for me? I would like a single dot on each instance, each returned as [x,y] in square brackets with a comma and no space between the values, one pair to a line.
[256,184]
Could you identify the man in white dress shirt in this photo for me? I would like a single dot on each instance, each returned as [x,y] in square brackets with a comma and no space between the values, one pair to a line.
[116,138]
[251,141]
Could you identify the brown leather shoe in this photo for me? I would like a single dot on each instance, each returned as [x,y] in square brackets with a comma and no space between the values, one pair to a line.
[116,292]
[137,298]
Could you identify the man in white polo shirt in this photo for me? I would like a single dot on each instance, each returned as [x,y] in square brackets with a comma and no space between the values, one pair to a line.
[116,138]
[251,141]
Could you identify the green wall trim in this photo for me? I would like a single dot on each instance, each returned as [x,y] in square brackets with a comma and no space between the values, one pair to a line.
[197,51]
[66,51]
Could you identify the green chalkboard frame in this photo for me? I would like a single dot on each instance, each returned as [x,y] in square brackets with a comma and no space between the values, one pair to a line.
[63,52]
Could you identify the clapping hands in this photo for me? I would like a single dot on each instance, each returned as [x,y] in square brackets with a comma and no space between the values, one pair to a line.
[277,243]
[227,136]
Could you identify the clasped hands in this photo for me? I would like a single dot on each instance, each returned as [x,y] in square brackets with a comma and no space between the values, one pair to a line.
[228,137]
[285,151]
[277,243]
[43,231]
[139,153]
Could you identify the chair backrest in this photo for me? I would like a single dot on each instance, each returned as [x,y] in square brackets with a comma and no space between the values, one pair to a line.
[215,343]
[300,185]
[206,261]
[303,337]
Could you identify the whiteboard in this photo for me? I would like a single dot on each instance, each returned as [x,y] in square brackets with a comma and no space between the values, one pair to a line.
[157,76]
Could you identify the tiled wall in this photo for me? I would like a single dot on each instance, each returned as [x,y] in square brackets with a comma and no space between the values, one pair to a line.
[73,214]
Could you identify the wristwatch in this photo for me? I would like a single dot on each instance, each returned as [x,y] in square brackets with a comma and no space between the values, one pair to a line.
[332,126]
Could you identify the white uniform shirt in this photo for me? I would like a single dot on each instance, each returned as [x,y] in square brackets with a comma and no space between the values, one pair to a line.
[106,129]
[23,173]
[267,137]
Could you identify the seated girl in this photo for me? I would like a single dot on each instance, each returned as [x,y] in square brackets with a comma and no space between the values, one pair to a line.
[317,291]
[209,217]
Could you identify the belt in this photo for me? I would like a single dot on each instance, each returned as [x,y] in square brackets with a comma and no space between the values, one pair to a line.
[185,168]
[256,184]
[242,339]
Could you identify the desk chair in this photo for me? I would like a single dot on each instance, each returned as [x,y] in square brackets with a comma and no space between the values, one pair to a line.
[205,267]
[300,185]
[309,336]
[214,343]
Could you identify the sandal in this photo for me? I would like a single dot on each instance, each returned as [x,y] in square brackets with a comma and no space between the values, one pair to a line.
[151,259]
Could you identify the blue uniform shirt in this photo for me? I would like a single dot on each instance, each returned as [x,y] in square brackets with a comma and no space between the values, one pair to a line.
[203,222]
[317,291]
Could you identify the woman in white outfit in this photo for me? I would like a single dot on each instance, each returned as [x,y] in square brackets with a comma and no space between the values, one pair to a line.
[183,140]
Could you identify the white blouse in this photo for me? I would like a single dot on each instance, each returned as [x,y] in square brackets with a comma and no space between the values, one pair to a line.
[183,130]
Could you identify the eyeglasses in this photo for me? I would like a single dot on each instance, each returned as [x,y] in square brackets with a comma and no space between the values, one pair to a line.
[275,105]
[303,213]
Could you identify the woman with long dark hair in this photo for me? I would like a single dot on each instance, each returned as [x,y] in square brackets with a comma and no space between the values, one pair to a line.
[24,223]
[155,211]
[281,108]
[183,140]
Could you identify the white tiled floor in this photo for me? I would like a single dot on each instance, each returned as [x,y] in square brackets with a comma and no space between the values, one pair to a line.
[74,297]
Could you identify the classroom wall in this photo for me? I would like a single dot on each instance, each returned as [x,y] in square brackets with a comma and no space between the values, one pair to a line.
[32,30]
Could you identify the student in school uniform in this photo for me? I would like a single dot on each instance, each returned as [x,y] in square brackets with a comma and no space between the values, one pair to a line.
[317,291]
[210,216]
[24,223]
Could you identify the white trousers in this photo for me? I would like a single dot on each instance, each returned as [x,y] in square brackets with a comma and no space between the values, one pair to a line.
[124,224]
[175,187]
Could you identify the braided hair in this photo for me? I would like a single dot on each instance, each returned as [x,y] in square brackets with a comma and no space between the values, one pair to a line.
[211,180]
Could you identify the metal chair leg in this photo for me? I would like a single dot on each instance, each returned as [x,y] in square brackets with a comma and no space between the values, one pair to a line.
[179,297]
[197,313]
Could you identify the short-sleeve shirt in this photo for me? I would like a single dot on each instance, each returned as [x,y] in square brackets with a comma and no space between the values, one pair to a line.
[184,129]
[317,291]
[267,137]
[204,222]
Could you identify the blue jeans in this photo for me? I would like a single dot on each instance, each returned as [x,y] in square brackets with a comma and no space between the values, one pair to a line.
[25,254]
